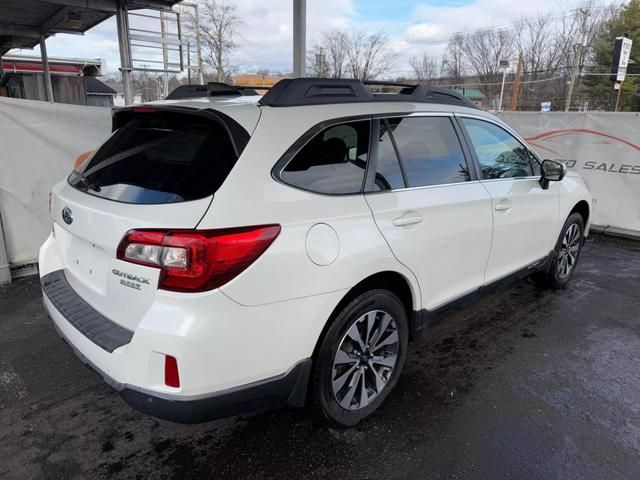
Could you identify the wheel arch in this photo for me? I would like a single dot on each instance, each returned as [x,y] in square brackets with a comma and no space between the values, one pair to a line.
[582,207]
[388,280]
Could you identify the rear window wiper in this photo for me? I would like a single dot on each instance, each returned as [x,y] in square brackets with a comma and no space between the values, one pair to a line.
[129,152]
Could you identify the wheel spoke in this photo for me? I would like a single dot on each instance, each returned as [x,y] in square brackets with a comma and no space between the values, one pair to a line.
[343,357]
[353,386]
[339,382]
[388,361]
[371,320]
[354,334]
[384,324]
[389,340]
[364,396]
[380,382]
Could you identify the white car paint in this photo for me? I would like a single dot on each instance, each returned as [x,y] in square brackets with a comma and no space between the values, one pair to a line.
[445,241]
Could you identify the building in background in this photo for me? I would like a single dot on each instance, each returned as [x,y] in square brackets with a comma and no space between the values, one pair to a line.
[73,80]
[98,94]
[118,98]
[473,94]
[256,81]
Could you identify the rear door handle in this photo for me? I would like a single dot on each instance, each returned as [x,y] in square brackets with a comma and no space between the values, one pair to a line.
[407,220]
[503,206]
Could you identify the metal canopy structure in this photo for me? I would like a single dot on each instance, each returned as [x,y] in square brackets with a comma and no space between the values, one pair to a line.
[27,23]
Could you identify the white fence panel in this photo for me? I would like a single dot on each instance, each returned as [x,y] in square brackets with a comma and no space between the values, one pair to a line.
[603,147]
[39,142]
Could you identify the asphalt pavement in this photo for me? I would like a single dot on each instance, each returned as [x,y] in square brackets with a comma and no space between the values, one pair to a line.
[526,384]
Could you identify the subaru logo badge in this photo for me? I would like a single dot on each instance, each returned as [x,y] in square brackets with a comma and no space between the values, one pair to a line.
[67,216]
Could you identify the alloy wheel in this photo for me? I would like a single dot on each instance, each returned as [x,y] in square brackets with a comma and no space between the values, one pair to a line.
[365,360]
[569,250]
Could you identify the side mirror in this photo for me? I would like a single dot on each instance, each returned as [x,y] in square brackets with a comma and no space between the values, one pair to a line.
[552,171]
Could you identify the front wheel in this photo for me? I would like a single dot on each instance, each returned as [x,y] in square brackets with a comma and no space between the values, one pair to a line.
[360,359]
[566,254]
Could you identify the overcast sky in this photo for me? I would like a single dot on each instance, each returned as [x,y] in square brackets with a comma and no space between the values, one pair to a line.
[264,37]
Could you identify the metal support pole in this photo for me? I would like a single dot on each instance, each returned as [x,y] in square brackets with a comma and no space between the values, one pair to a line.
[504,76]
[198,46]
[5,270]
[618,98]
[299,38]
[48,86]
[165,55]
[125,52]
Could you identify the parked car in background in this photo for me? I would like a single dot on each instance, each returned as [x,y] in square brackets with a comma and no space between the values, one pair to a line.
[230,252]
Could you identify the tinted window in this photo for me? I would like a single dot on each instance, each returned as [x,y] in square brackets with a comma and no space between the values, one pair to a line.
[499,153]
[333,161]
[388,173]
[429,150]
[159,158]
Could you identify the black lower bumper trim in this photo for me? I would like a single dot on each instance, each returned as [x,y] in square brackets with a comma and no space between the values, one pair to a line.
[93,325]
[288,389]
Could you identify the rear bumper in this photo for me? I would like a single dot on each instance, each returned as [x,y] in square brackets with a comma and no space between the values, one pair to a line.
[231,357]
[288,389]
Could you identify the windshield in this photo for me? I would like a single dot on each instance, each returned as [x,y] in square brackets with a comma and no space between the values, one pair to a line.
[159,157]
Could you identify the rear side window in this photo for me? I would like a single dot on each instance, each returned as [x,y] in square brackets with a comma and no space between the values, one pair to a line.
[333,161]
[430,151]
[159,157]
[388,173]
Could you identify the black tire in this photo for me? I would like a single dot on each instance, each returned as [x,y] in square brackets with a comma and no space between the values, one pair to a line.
[553,278]
[325,406]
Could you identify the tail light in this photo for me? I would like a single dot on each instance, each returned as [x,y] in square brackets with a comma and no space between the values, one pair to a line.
[197,260]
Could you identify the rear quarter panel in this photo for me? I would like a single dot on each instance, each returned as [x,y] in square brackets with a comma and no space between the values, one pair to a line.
[251,196]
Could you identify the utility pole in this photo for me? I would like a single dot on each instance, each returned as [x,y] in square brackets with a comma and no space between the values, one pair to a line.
[577,57]
[516,85]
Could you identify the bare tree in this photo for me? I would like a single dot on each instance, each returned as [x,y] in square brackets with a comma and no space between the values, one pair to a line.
[341,54]
[218,26]
[453,61]
[535,41]
[329,55]
[369,55]
[425,67]
[484,49]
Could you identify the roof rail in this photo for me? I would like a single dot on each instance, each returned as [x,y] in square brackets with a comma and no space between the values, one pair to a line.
[292,92]
[211,89]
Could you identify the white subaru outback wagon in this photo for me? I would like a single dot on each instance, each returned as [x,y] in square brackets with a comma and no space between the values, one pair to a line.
[235,251]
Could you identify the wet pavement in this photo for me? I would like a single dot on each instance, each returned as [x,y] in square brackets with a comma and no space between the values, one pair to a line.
[527,384]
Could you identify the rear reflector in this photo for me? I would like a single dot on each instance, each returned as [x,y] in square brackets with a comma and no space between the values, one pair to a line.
[171,376]
[197,260]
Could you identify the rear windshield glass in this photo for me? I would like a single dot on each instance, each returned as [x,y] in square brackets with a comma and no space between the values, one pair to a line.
[159,157]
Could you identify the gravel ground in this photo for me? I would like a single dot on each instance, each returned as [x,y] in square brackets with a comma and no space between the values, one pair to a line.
[526,384]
